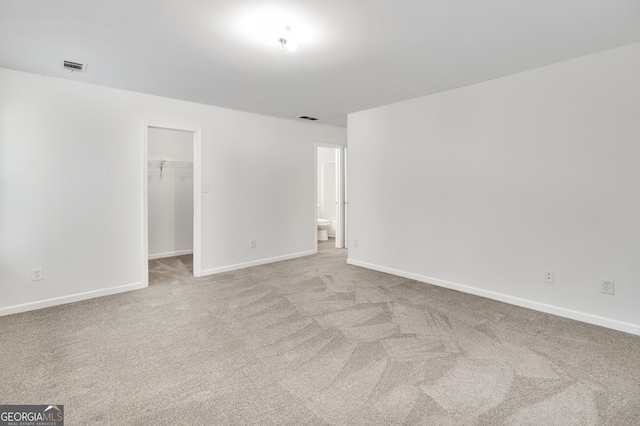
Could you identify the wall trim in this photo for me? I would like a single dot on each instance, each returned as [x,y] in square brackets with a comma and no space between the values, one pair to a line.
[63,300]
[170,254]
[257,262]
[512,300]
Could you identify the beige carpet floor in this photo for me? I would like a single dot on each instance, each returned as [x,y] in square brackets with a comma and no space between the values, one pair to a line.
[314,341]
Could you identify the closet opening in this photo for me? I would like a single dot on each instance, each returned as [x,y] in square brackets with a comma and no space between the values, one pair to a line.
[172,197]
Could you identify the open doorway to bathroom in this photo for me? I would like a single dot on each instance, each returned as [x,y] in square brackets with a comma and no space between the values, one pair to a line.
[172,199]
[330,196]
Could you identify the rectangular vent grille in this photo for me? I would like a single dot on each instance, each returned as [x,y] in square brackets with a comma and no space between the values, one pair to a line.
[74,66]
[304,117]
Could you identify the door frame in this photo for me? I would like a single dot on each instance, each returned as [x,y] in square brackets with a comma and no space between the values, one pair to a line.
[340,193]
[197,195]
[345,198]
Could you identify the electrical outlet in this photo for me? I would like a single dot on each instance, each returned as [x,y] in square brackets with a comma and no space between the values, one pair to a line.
[355,243]
[36,274]
[548,276]
[607,286]
[253,244]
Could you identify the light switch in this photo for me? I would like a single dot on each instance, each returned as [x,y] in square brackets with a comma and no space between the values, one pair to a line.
[205,188]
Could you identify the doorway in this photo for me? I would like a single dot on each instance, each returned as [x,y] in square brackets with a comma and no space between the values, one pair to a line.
[172,196]
[330,193]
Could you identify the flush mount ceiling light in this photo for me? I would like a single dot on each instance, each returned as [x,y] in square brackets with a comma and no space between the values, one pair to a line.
[287,40]
[274,27]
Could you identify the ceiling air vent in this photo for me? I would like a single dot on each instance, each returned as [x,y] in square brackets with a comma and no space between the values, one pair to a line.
[73,66]
[304,117]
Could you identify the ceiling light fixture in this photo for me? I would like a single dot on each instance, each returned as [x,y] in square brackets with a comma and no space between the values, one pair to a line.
[269,25]
[287,40]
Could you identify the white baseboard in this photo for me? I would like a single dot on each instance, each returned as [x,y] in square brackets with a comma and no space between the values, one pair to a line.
[170,254]
[256,263]
[537,306]
[41,304]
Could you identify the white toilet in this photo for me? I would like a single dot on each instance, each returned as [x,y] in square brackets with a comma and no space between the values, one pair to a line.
[323,226]
[323,229]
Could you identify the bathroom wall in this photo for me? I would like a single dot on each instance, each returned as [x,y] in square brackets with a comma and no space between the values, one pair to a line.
[170,193]
[326,191]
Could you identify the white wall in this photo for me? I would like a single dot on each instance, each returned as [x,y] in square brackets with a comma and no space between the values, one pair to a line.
[487,186]
[71,187]
[170,192]
[330,195]
[327,194]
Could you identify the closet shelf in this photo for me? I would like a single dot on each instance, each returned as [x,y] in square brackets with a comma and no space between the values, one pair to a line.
[170,168]
[170,163]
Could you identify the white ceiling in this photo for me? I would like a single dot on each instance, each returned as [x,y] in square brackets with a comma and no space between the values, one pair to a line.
[362,53]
